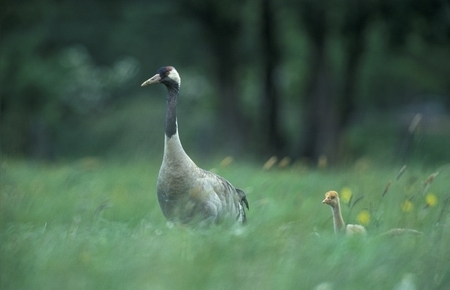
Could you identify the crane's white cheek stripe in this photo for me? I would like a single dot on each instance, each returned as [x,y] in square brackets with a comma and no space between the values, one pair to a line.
[175,76]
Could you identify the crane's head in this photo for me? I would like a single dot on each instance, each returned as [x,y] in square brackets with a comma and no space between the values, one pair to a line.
[331,198]
[166,75]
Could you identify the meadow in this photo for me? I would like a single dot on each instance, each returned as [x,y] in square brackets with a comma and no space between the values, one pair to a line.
[96,224]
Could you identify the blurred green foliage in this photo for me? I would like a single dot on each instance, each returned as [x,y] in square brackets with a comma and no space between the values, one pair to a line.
[70,74]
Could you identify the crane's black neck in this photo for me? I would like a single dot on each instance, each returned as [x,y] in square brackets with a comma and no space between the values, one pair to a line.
[171,110]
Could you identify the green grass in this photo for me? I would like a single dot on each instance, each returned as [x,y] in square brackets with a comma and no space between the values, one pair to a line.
[95,224]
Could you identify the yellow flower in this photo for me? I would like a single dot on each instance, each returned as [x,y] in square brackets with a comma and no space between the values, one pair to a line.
[363,217]
[346,194]
[431,199]
[407,206]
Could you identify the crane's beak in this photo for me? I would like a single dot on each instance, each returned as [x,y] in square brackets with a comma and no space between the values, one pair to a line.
[325,200]
[154,79]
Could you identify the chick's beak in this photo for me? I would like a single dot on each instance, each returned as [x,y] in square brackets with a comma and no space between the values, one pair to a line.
[154,79]
[325,200]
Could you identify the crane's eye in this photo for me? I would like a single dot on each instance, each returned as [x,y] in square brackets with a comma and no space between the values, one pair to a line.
[332,197]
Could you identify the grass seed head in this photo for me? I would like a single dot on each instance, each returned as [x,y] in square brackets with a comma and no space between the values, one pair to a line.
[322,162]
[386,189]
[270,163]
[284,162]
[400,173]
[414,123]
[430,179]
[226,161]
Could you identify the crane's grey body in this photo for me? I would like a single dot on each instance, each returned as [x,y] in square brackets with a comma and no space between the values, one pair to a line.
[187,193]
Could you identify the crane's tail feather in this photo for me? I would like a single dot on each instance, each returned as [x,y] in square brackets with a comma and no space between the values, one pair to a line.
[243,197]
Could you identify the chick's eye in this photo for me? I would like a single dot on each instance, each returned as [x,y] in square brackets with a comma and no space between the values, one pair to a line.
[332,197]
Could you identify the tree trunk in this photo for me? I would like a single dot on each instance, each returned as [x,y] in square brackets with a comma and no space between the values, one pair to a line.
[222,25]
[354,40]
[320,122]
[273,142]
[327,111]
[233,126]
[321,126]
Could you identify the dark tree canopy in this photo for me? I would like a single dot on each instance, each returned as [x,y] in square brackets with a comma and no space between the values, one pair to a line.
[260,77]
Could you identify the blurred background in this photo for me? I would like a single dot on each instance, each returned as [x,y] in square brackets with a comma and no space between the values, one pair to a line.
[311,80]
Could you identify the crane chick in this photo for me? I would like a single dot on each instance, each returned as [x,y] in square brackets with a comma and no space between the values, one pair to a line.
[332,199]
